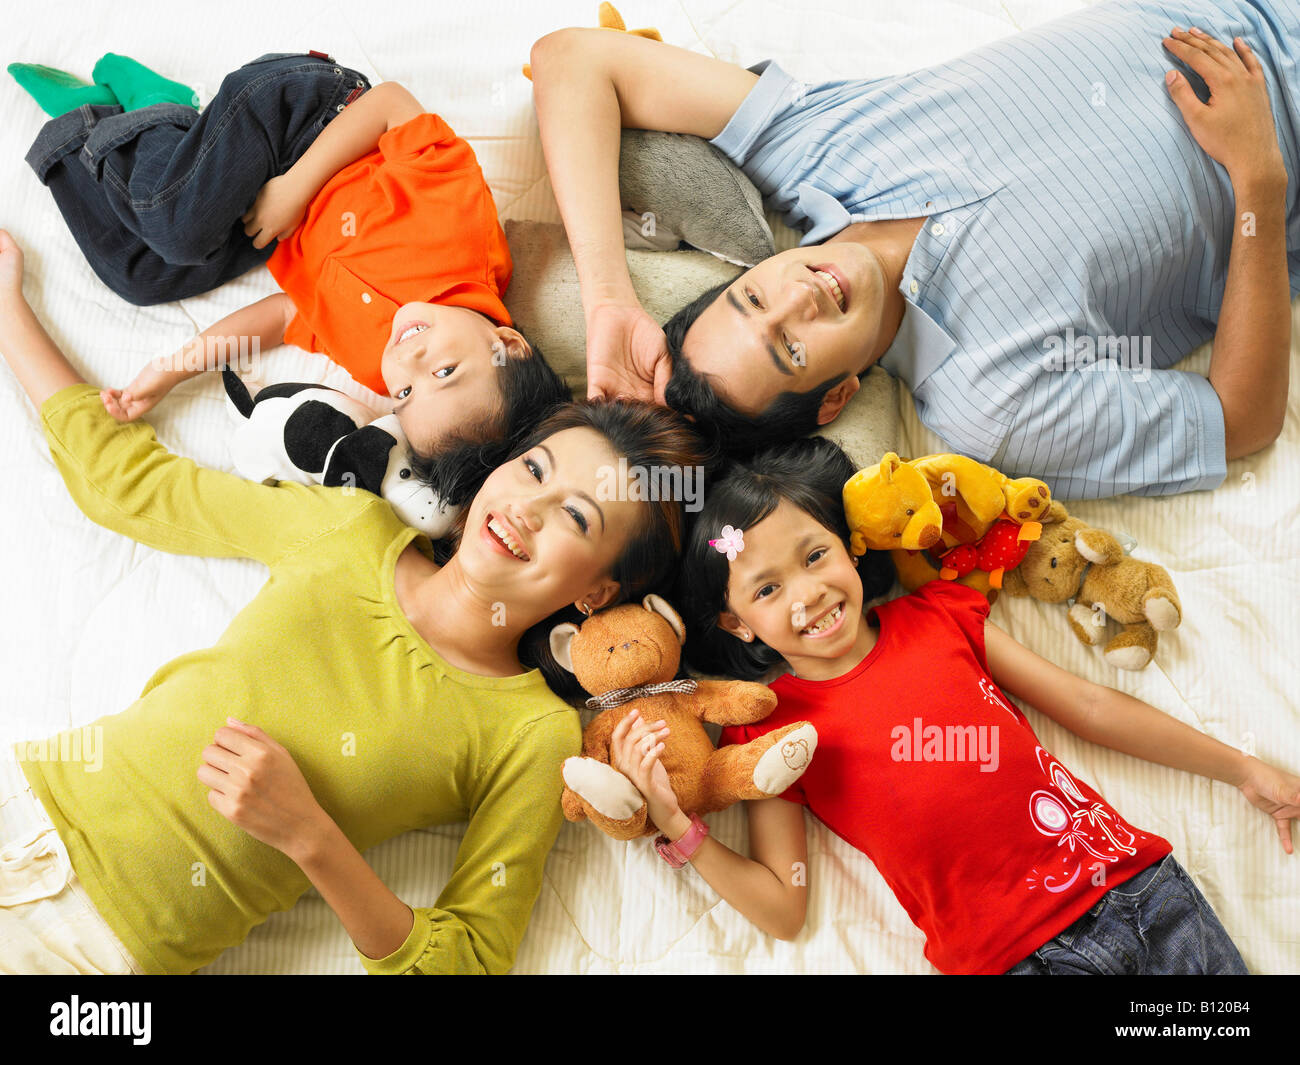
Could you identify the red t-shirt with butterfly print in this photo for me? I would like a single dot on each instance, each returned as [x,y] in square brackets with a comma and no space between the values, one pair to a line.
[923,764]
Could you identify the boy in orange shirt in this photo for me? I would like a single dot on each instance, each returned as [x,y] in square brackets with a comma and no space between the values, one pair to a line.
[390,255]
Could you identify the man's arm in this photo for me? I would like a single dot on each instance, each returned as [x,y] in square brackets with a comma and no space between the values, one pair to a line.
[280,205]
[1250,366]
[587,85]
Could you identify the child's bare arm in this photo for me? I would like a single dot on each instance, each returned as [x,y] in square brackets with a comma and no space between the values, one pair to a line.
[283,201]
[36,361]
[250,329]
[1119,721]
[770,888]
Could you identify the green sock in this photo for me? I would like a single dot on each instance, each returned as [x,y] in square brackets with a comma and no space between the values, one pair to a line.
[57,91]
[135,85]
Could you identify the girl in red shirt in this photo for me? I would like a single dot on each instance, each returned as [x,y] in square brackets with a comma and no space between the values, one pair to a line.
[921,761]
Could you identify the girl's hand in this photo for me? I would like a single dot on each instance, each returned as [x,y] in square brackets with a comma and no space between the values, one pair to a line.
[254,783]
[276,212]
[627,355]
[1274,791]
[11,267]
[1236,127]
[634,750]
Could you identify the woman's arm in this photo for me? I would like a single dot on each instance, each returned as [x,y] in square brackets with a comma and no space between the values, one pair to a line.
[1250,362]
[1113,719]
[482,912]
[587,85]
[283,200]
[253,328]
[771,887]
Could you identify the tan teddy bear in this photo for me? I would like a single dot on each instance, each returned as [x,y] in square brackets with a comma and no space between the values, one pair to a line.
[627,656]
[1071,559]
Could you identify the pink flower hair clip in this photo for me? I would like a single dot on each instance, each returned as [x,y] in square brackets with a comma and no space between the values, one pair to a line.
[730,543]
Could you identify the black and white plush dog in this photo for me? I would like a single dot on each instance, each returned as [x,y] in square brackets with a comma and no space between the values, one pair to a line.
[312,434]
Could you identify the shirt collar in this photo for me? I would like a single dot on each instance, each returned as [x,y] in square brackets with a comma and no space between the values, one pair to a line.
[919,348]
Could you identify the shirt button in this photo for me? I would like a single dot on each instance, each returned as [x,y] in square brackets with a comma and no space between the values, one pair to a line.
[937,229]
[914,288]
[365,297]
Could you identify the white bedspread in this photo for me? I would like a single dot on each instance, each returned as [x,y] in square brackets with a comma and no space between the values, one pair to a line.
[88,615]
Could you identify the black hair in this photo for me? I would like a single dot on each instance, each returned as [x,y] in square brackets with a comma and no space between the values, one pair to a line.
[809,474]
[789,416]
[649,437]
[457,468]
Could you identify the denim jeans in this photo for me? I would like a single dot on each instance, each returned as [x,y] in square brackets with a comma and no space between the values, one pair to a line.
[154,196]
[1157,923]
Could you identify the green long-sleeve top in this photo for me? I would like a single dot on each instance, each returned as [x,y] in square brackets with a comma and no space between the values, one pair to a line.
[389,736]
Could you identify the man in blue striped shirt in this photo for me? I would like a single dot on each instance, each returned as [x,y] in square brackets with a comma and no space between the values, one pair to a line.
[1029,236]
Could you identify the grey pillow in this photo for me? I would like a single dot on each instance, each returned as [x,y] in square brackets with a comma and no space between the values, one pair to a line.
[684,186]
[545,303]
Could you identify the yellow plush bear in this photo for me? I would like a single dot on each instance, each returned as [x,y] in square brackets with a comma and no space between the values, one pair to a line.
[939,503]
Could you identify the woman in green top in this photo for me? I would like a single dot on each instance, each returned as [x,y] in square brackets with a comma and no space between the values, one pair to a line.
[365,691]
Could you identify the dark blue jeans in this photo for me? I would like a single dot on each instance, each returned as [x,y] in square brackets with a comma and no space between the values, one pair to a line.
[1157,923]
[154,196]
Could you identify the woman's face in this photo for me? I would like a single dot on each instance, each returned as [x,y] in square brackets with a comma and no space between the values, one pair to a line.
[782,326]
[441,367]
[795,587]
[546,528]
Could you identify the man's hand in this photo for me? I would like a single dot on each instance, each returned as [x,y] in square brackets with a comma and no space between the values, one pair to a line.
[627,355]
[276,212]
[1236,127]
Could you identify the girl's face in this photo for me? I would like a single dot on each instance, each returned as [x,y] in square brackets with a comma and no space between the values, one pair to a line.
[545,529]
[795,587]
[440,366]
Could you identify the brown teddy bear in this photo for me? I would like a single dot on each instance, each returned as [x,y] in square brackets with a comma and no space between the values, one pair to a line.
[1071,559]
[627,656]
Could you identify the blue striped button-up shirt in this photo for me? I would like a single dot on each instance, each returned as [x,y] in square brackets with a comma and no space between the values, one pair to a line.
[1076,239]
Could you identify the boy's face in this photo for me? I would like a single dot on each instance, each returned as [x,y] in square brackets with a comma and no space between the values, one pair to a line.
[795,587]
[441,366]
[783,327]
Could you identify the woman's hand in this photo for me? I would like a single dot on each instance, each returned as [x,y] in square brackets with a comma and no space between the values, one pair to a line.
[1274,791]
[254,783]
[276,212]
[634,750]
[1236,127]
[11,268]
[627,354]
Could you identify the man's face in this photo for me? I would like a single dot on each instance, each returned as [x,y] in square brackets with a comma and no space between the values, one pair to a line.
[789,324]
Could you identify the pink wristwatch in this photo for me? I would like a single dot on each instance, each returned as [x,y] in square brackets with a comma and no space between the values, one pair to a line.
[679,853]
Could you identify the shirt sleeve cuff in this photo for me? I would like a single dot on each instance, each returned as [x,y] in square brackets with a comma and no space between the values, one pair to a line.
[64,396]
[1213,436]
[403,959]
[769,96]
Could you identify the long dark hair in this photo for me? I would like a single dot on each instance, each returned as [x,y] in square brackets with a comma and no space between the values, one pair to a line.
[530,390]
[649,437]
[808,474]
[789,416]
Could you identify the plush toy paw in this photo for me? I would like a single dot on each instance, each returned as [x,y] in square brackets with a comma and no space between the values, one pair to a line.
[1087,624]
[784,762]
[1162,611]
[605,789]
[1131,649]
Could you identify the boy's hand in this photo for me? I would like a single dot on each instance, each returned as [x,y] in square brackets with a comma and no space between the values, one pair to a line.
[1275,792]
[634,750]
[11,267]
[1236,127]
[140,396]
[276,212]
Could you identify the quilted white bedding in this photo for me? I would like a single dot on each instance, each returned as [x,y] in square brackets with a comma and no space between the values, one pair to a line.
[87,615]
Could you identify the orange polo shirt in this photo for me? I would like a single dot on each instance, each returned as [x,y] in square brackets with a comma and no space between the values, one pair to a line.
[413,221]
